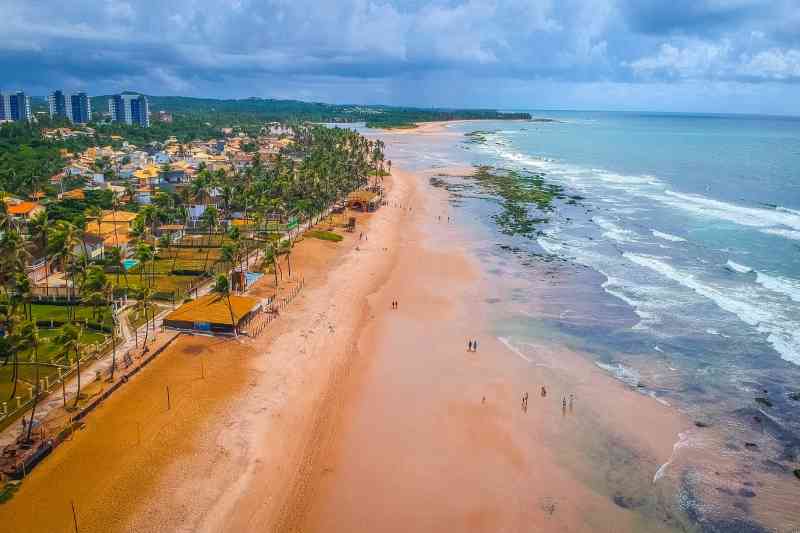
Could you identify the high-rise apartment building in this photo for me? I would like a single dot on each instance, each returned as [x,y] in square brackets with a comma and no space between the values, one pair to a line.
[15,106]
[77,107]
[130,108]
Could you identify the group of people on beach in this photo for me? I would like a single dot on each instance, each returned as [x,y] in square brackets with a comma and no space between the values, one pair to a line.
[472,346]
[394,304]
[564,400]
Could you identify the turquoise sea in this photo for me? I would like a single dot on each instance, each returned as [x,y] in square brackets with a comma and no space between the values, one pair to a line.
[678,272]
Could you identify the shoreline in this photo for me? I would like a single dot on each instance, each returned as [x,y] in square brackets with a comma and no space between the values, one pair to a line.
[451,420]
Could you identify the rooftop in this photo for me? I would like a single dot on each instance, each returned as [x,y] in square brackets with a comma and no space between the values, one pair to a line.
[213,309]
[22,208]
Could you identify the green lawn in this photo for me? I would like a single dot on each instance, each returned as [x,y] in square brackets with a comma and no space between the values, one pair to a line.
[60,313]
[48,352]
[324,235]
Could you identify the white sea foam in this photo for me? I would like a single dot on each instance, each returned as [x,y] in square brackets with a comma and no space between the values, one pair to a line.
[787,287]
[549,245]
[680,443]
[614,232]
[667,236]
[627,375]
[786,233]
[614,286]
[781,331]
[742,215]
[736,267]
[514,349]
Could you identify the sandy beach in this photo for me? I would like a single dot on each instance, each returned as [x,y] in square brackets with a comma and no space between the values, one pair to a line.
[348,415]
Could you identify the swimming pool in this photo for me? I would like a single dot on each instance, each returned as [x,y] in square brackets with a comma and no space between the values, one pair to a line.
[129,263]
[252,277]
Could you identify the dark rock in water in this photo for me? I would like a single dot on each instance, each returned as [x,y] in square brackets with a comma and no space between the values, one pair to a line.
[751,445]
[795,396]
[764,401]
[747,493]
[627,502]
[701,424]
[774,466]
[797,473]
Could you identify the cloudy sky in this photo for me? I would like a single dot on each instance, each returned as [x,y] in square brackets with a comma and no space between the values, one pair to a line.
[670,55]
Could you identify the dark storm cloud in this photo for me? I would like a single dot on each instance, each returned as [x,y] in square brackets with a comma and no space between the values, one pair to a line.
[369,48]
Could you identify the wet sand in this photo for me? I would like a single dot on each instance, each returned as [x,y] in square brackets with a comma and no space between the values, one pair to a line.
[434,437]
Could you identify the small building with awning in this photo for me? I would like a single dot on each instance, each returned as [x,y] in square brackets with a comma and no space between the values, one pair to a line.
[211,314]
[363,200]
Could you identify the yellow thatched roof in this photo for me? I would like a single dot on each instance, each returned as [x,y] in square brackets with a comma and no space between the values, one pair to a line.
[362,196]
[213,309]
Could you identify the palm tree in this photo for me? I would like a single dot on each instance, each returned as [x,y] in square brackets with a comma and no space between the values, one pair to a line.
[63,243]
[130,191]
[210,219]
[143,254]
[69,341]
[30,333]
[40,229]
[223,289]
[95,212]
[144,298]
[286,249]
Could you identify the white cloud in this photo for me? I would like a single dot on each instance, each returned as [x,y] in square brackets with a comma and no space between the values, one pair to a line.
[776,64]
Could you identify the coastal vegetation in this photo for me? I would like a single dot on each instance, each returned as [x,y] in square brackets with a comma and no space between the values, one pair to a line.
[324,235]
[254,208]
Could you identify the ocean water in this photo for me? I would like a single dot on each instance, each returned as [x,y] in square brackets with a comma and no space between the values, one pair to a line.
[682,269]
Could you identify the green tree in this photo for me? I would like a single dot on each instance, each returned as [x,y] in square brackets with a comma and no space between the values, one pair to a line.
[69,342]
[223,289]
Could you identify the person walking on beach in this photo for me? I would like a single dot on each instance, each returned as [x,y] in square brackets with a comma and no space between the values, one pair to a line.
[564,405]
[544,392]
[571,399]
[474,346]
[525,403]
[469,346]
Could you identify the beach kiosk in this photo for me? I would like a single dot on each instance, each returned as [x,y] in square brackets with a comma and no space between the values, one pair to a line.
[363,200]
[211,314]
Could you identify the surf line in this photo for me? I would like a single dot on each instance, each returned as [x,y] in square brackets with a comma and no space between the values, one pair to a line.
[680,443]
[514,349]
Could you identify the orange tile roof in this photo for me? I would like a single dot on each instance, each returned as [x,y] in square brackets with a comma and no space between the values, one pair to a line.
[117,217]
[116,240]
[74,194]
[213,308]
[22,208]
